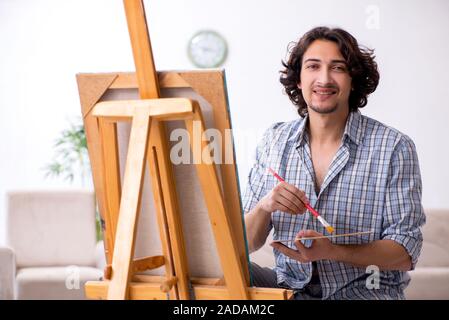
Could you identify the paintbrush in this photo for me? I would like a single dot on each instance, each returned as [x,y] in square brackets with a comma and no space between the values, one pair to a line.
[325,224]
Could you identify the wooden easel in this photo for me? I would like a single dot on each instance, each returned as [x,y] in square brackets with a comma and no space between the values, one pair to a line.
[120,205]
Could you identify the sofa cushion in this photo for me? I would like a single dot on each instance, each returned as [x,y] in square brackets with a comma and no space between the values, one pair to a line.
[59,283]
[428,283]
[52,228]
[435,251]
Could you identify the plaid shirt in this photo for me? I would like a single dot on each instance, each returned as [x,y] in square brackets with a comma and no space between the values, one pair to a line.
[373,183]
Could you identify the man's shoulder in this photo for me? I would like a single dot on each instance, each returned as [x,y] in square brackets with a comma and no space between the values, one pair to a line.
[381,134]
[283,130]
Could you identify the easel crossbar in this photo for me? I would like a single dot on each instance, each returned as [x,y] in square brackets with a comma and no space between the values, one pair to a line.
[161,109]
[152,291]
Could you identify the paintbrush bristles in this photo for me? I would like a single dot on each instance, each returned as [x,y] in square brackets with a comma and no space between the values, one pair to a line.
[330,229]
[325,224]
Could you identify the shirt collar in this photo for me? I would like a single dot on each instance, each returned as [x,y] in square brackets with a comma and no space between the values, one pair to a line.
[300,136]
[353,129]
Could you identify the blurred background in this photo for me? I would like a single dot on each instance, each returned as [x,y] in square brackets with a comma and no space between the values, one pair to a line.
[44,43]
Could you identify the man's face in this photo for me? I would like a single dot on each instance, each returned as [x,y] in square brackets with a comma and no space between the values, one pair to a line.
[325,80]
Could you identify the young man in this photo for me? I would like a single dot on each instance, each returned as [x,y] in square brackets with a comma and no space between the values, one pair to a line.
[359,174]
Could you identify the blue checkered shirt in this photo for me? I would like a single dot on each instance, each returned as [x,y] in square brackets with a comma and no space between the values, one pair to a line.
[373,183]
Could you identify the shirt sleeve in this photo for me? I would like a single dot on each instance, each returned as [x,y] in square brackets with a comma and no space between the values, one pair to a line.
[256,180]
[404,214]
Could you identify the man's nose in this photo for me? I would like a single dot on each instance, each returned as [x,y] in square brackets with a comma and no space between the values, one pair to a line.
[324,77]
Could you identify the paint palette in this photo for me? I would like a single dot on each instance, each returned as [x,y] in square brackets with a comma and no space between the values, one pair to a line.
[322,237]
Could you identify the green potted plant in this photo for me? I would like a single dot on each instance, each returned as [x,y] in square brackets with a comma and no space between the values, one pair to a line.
[71,160]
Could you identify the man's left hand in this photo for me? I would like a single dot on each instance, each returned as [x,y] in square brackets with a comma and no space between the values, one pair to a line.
[319,250]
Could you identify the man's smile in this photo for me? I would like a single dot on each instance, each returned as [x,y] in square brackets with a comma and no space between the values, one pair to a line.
[323,91]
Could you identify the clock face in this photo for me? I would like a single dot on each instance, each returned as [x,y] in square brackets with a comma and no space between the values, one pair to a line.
[207,49]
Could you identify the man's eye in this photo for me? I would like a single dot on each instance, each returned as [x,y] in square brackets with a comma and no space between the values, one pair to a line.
[312,66]
[339,68]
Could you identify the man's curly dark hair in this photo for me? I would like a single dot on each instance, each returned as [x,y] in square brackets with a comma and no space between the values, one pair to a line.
[360,63]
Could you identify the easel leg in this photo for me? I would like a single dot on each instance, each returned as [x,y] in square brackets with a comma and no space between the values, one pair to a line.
[112,187]
[129,207]
[223,233]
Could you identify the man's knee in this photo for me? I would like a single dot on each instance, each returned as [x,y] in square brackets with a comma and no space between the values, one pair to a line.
[263,277]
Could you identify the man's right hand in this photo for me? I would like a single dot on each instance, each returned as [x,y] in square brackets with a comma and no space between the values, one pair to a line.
[284,197]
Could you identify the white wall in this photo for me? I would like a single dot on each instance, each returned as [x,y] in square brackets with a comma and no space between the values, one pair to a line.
[44,43]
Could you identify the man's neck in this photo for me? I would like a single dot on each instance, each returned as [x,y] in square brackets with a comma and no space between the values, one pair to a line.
[327,128]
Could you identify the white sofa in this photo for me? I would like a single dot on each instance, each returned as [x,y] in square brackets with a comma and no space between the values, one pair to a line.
[7,270]
[430,279]
[52,249]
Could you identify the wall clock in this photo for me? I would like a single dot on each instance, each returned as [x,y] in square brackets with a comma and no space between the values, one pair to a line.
[207,49]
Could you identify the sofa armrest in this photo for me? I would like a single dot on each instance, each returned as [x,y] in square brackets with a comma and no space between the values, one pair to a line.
[7,273]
